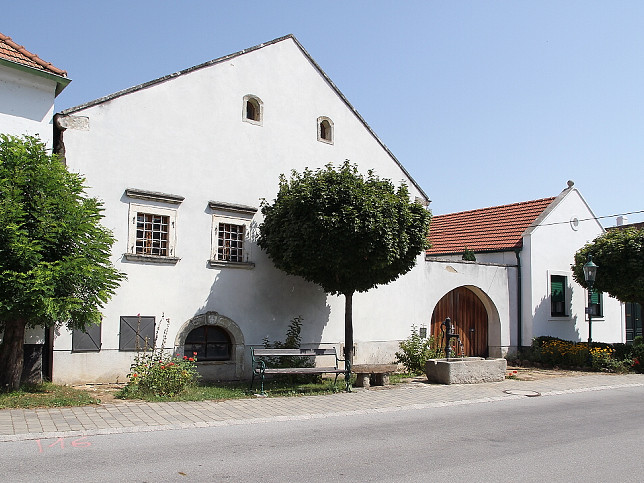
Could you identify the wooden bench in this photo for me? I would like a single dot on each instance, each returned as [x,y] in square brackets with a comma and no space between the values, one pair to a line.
[259,355]
[373,374]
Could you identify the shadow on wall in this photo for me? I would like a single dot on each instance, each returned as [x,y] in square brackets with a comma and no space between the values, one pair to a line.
[563,327]
[252,304]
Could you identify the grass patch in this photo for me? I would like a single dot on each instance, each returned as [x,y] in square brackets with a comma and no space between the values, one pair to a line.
[400,377]
[45,395]
[240,390]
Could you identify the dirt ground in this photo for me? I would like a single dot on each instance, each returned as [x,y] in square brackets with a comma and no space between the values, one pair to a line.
[106,392]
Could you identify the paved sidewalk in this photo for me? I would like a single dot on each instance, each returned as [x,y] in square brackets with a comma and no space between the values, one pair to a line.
[126,416]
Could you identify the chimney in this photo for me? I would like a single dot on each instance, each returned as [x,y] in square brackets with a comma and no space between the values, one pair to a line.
[622,220]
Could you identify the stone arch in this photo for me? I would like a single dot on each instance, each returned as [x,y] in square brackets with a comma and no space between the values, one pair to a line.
[216,370]
[476,297]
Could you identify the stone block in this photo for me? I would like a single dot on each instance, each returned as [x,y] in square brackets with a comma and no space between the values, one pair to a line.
[467,370]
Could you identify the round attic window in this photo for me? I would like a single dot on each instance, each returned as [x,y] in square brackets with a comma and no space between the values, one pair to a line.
[574,223]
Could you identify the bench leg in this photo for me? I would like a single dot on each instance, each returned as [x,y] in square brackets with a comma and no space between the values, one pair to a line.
[381,379]
[362,380]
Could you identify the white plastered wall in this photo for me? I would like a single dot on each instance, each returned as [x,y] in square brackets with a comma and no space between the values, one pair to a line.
[550,249]
[26,104]
[186,137]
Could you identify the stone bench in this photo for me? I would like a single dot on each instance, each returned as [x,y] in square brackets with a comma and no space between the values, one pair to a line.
[373,374]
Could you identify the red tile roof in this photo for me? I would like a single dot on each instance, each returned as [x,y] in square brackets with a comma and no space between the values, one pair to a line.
[498,228]
[9,50]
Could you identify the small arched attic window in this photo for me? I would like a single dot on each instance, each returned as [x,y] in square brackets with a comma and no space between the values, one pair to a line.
[253,111]
[325,130]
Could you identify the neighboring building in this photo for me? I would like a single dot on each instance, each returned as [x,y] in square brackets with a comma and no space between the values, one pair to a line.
[28,87]
[632,311]
[182,164]
[532,244]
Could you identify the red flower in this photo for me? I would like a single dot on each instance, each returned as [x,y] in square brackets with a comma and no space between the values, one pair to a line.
[162,367]
[171,364]
[185,357]
[191,359]
[194,353]
[134,375]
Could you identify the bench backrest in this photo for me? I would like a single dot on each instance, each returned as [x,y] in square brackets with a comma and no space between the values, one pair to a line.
[263,352]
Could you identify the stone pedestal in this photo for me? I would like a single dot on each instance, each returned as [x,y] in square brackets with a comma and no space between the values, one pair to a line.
[467,370]
[373,374]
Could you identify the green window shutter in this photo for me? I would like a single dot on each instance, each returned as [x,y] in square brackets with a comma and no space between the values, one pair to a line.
[596,303]
[558,295]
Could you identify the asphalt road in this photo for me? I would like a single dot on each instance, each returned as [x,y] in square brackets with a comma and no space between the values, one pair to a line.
[588,436]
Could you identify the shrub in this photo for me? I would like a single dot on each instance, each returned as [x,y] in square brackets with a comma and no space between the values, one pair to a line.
[157,372]
[415,351]
[638,354]
[293,341]
[601,357]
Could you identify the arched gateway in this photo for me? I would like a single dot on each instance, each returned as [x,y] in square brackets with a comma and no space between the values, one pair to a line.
[470,317]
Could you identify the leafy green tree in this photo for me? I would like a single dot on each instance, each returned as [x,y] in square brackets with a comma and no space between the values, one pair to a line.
[619,254]
[343,231]
[54,253]
[468,255]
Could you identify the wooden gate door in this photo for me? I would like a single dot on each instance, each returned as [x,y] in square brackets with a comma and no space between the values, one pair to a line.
[470,317]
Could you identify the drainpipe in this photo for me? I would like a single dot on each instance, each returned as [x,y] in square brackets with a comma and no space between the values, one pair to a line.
[519,298]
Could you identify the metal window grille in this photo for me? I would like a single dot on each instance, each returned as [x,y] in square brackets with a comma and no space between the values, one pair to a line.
[152,234]
[211,343]
[230,245]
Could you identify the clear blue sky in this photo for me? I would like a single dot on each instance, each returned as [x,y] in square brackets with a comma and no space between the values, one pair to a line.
[484,102]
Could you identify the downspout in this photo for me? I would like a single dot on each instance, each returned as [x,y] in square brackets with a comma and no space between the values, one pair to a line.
[517,252]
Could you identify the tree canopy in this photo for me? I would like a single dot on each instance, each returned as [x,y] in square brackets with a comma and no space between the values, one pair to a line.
[345,231]
[54,253]
[619,255]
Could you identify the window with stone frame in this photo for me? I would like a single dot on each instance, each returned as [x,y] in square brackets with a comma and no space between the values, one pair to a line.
[152,226]
[253,110]
[325,130]
[231,235]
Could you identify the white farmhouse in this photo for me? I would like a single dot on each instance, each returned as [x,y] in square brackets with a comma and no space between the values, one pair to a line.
[28,88]
[521,284]
[182,163]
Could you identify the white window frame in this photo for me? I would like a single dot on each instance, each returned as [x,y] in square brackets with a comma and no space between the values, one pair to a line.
[161,204]
[260,107]
[568,306]
[235,215]
[331,129]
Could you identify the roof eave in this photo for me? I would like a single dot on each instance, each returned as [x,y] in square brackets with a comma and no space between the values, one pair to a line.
[61,82]
[496,250]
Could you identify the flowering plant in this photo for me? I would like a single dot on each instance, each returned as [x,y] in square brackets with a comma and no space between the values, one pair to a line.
[158,372]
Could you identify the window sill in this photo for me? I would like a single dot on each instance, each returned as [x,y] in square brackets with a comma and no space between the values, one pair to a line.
[135,257]
[224,264]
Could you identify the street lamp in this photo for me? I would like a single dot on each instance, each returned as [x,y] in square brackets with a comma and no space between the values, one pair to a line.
[590,272]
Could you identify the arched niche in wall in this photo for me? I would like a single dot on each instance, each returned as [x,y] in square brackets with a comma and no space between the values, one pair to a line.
[212,370]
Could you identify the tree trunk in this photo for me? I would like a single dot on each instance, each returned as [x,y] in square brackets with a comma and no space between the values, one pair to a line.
[12,354]
[348,327]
